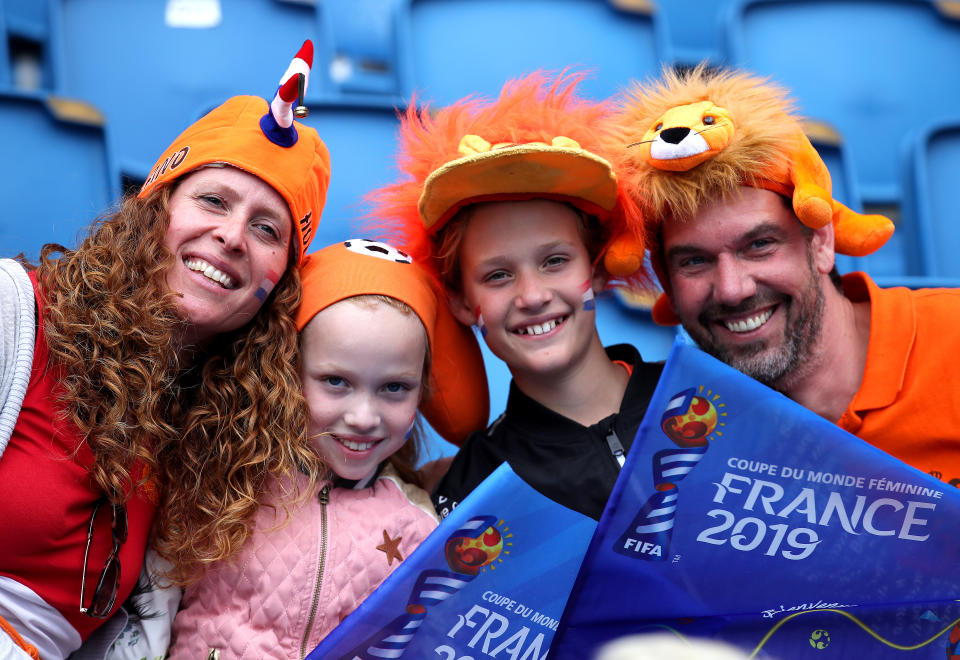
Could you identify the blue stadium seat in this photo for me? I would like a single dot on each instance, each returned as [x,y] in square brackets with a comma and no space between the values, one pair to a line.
[933,161]
[872,68]
[362,143]
[27,18]
[462,47]
[896,258]
[153,65]
[58,175]
[361,48]
[694,29]
[25,32]
[6,75]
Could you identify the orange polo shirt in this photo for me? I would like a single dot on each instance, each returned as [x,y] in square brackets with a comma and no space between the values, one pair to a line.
[909,401]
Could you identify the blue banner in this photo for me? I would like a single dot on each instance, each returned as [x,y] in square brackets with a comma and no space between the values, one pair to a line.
[744,517]
[491,580]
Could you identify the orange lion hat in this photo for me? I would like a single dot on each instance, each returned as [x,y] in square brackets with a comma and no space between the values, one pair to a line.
[687,139]
[538,140]
[457,402]
[263,139]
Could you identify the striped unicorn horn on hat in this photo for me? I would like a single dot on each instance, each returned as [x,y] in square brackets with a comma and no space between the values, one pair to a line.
[277,124]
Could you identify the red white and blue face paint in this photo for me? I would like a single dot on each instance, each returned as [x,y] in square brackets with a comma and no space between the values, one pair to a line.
[266,286]
[481,326]
[589,302]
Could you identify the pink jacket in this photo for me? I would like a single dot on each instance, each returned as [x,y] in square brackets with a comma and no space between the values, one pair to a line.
[292,584]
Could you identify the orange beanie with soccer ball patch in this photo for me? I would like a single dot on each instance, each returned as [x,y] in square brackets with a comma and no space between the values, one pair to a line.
[457,401]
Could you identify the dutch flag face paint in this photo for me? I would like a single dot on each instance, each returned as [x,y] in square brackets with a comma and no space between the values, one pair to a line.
[266,286]
[481,326]
[589,302]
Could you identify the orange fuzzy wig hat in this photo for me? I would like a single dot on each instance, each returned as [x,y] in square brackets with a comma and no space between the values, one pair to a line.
[693,138]
[457,401]
[538,140]
[264,140]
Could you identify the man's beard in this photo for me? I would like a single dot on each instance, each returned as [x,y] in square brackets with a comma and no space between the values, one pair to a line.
[774,366]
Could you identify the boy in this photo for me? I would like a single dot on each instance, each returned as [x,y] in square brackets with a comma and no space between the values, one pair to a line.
[515,204]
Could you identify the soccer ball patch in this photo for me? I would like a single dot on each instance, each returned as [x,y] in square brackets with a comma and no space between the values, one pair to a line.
[377,249]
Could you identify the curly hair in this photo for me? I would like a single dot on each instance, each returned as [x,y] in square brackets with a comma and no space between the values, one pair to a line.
[206,434]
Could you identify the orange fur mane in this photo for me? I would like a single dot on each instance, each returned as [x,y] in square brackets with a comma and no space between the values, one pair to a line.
[535,108]
[765,125]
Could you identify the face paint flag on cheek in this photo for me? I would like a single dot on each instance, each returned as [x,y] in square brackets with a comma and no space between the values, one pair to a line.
[266,286]
[481,326]
[589,302]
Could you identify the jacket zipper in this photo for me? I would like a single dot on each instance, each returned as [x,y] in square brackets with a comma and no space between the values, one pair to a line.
[324,497]
[616,447]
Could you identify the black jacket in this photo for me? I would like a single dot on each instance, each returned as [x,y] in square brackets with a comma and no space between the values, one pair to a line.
[572,464]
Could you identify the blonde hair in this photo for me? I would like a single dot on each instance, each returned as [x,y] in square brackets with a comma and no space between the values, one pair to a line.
[207,435]
[407,457]
[449,239]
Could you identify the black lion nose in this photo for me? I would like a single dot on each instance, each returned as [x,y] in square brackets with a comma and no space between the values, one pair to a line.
[674,135]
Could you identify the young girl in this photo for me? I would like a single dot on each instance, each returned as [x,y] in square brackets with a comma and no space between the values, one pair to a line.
[371,330]
[523,216]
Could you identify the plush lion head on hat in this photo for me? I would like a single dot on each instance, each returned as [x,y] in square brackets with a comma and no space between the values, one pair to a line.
[687,139]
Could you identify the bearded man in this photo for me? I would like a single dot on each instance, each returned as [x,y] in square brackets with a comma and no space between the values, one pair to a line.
[746,236]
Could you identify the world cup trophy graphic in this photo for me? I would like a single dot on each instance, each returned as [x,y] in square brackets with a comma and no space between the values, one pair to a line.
[688,421]
[469,549]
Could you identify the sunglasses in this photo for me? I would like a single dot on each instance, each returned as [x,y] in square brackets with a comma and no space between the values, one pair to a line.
[105,595]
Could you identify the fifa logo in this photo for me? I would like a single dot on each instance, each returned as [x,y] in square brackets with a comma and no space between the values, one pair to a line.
[690,420]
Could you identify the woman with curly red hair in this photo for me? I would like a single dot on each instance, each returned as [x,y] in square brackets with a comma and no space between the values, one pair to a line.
[149,382]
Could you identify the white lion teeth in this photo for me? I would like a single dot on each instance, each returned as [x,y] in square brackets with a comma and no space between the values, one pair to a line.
[749,324]
[539,329]
[208,271]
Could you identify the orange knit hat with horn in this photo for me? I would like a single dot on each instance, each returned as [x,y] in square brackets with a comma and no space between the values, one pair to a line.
[457,401]
[264,140]
[687,139]
[538,140]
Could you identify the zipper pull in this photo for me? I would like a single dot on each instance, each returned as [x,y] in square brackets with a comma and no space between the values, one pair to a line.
[324,495]
[616,448]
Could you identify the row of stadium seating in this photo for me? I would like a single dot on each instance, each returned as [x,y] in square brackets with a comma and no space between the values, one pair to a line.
[867,67]
[91,91]
[60,170]
[863,70]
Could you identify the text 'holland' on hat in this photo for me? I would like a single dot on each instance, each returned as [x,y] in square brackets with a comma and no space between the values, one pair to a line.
[264,140]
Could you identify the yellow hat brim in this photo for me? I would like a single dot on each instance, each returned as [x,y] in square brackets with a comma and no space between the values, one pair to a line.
[516,172]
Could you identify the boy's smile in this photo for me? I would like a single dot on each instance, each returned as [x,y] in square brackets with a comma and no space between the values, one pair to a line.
[525,269]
